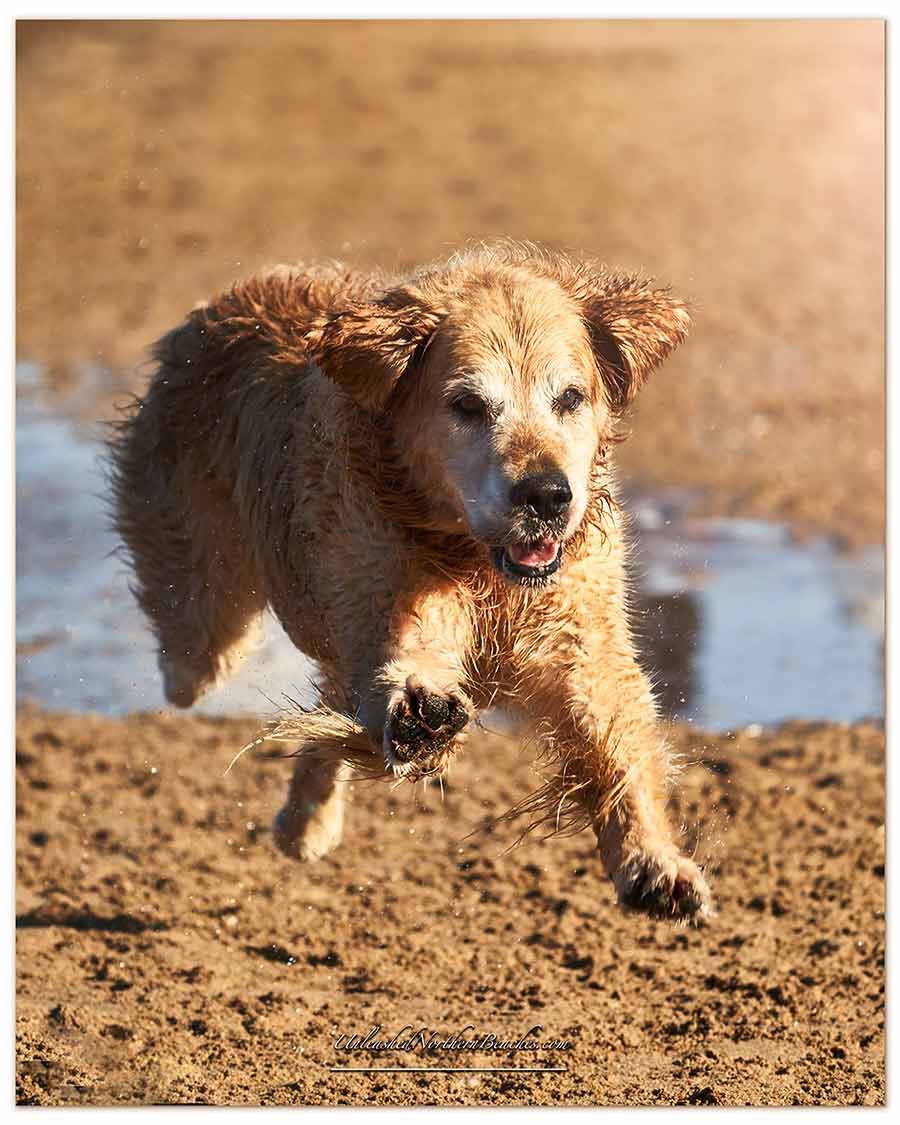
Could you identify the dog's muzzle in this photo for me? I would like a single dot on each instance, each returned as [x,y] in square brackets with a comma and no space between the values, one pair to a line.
[541,501]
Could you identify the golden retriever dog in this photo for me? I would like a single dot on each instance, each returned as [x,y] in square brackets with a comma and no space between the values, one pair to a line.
[414,473]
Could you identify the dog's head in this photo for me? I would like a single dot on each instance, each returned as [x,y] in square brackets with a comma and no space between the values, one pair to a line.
[501,378]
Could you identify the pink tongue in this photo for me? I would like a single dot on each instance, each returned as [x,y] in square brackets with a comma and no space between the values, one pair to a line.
[533,554]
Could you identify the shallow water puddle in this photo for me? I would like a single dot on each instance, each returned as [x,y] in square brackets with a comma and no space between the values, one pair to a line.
[745,625]
[740,624]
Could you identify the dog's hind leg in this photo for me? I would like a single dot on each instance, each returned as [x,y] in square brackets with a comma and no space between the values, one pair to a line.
[195,577]
[312,820]
[216,603]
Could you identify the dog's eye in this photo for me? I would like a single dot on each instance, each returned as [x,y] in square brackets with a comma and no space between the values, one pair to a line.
[569,401]
[471,408]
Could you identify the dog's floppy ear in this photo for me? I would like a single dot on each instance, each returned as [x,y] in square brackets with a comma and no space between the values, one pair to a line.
[633,328]
[368,346]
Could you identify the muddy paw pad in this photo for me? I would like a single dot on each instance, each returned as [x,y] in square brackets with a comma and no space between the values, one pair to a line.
[424,720]
[664,887]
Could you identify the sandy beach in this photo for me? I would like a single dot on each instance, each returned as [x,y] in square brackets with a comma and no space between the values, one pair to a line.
[168,954]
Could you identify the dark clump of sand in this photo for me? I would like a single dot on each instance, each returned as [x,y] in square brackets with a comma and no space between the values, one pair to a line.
[742,161]
[167,953]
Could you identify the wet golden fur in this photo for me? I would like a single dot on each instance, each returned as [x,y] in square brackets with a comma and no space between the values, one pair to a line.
[303,445]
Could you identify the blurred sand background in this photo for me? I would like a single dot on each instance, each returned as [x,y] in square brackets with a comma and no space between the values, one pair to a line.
[740,161]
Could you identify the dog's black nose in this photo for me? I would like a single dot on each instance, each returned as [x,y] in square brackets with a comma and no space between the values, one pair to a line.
[547,494]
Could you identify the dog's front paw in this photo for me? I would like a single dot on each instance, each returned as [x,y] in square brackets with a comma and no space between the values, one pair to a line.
[420,722]
[664,884]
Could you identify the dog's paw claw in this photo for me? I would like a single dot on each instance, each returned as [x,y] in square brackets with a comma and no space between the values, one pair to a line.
[664,885]
[421,721]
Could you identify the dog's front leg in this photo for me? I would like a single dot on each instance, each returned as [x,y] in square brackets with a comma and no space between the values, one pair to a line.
[582,685]
[417,706]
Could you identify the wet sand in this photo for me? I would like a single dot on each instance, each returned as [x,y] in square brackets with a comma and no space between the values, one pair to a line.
[740,161]
[168,954]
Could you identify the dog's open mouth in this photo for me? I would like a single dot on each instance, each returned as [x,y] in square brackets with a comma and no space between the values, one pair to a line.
[529,562]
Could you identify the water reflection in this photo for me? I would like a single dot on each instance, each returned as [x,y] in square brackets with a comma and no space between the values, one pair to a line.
[736,623]
[741,624]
